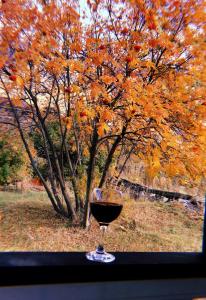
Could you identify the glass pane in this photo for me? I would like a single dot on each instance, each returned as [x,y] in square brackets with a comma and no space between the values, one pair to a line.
[102,113]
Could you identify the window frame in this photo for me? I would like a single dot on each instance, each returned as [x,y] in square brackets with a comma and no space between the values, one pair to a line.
[29,268]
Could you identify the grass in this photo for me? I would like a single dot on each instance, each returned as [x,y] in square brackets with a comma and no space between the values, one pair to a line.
[28,223]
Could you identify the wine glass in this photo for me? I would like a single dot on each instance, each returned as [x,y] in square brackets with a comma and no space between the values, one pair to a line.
[105,206]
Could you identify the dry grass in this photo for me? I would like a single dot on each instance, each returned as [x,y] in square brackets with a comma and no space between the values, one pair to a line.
[28,223]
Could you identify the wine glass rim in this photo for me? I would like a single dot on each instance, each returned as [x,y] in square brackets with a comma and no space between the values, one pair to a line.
[102,202]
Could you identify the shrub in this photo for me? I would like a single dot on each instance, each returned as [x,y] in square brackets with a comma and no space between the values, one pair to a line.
[13,161]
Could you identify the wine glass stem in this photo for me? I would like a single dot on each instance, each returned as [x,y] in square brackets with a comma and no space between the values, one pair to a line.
[103,231]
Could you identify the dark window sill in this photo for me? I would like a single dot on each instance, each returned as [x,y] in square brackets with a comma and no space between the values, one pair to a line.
[20,268]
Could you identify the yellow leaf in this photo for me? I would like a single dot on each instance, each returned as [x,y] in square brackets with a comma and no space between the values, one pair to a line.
[75,88]
[151,172]
[17,101]
[97,59]
[150,64]
[108,79]
[106,115]
[120,77]
[102,128]
[95,89]
[19,81]
[86,152]
[75,65]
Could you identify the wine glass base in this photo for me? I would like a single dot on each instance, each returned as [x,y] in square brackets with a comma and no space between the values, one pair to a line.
[100,257]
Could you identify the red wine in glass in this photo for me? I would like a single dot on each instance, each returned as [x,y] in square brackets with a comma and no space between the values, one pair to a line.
[105,212]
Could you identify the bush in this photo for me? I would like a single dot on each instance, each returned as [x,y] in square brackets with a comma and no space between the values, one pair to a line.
[13,161]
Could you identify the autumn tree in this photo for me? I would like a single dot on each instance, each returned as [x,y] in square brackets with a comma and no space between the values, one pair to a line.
[116,77]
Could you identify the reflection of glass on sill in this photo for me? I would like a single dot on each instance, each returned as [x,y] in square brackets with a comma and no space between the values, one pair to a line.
[199,298]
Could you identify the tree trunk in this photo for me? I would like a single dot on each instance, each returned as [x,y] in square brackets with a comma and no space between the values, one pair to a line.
[90,173]
[110,156]
[78,201]
[108,161]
